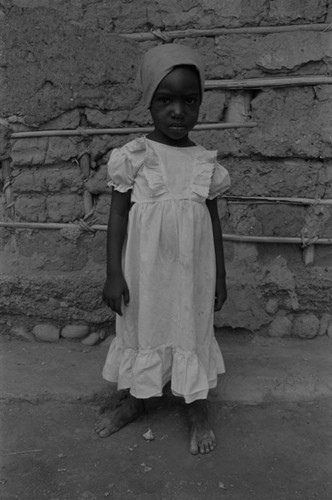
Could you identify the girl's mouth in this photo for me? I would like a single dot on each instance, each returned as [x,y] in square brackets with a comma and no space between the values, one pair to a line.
[177,126]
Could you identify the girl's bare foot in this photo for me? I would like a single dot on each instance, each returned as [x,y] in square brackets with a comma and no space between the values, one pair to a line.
[129,409]
[202,438]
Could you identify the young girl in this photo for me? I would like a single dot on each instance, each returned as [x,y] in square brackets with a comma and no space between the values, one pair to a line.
[165,262]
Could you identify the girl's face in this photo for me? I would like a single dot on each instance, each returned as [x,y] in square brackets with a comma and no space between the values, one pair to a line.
[175,107]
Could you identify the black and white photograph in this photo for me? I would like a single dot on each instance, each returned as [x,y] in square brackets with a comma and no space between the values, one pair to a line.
[166,249]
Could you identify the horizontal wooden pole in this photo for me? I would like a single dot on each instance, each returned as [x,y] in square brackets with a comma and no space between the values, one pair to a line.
[122,131]
[277,240]
[226,237]
[212,32]
[270,199]
[256,83]
[49,225]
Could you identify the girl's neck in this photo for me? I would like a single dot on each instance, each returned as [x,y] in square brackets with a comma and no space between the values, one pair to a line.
[185,142]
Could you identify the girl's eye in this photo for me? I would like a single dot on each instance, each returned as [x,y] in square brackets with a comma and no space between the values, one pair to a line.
[164,99]
[191,100]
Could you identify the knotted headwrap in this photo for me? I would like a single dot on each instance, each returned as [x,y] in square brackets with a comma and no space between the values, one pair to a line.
[161,60]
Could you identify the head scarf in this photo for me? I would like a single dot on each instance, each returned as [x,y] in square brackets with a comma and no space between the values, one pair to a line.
[161,60]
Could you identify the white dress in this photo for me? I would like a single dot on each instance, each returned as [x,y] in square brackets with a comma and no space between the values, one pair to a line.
[166,332]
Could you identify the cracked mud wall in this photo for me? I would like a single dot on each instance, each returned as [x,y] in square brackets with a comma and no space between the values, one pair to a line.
[65,65]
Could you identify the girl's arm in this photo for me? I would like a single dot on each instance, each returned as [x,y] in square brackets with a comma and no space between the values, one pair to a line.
[221,291]
[115,286]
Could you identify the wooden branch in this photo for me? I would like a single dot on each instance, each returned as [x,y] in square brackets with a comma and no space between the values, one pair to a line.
[270,199]
[7,188]
[227,237]
[50,225]
[277,239]
[256,83]
[212,32]
[122,131]
[24,452]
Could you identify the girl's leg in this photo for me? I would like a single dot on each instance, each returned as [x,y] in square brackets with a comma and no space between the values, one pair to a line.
[127,411]
[202,438]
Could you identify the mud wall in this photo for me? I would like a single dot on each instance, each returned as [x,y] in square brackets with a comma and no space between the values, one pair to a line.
[67,66]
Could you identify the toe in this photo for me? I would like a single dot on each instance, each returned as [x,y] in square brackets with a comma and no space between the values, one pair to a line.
[98,427]
[101,425]
[104,433]
[194,446]
[203,448]
[207,445]
[210,446]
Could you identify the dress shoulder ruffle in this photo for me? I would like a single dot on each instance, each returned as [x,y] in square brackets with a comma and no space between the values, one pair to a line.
[204,167]
[210,178]
[124,164]
[153,172]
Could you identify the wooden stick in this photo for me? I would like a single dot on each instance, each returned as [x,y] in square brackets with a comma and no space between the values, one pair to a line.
[122,131]
[226,237]
[276,239]
[194,33]
[270,199]
[255,83]
[22,452]
[49,225]
[80,131]
[7,188]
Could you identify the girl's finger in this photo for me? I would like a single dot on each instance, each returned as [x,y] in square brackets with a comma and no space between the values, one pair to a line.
[217,303]
[106,300]
[117,307]
[126,297]
[109,302]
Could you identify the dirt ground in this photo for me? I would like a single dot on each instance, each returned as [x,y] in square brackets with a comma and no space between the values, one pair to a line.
[275,451]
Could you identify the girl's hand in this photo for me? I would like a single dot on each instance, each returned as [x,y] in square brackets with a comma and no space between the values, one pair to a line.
[114,289]
[221,293]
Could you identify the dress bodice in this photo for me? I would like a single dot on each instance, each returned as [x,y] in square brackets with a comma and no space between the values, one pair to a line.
[156,171]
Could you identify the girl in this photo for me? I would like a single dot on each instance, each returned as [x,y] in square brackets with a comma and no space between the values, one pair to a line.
[165,262]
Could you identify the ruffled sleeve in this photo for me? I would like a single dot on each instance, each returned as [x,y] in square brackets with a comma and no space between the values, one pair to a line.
[220,181]
[124,163]
[210,179]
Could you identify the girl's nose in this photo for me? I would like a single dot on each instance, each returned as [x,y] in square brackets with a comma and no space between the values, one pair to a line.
[177,108]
